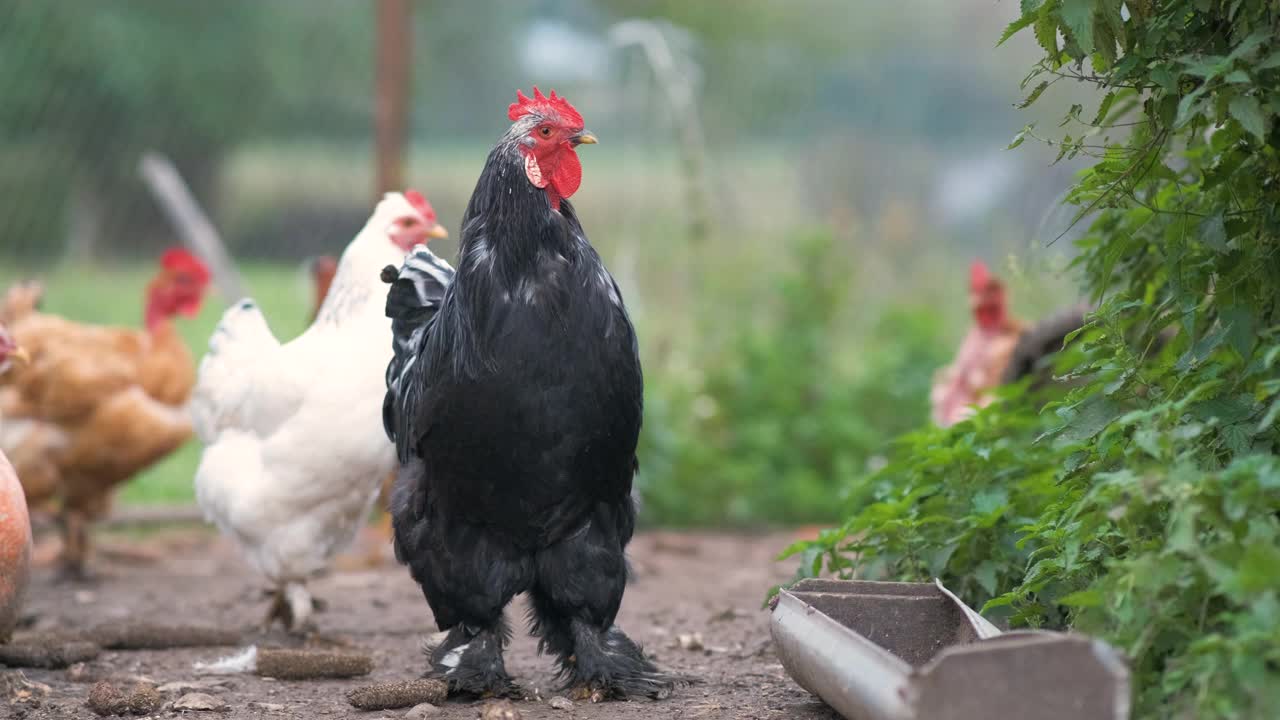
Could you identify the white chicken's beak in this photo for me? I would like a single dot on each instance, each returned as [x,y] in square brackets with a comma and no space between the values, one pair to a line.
[20,357]
[437,232]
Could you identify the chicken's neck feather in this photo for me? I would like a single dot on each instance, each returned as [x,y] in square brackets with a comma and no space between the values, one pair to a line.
[357,287]
[509,222]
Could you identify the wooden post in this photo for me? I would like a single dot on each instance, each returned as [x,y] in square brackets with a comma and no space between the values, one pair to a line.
[391,116]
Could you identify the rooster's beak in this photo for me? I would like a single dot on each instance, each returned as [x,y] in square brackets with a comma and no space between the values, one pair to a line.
[437,231]
[20,357]
[584,138]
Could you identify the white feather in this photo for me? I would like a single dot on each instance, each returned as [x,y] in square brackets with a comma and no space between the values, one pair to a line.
[242,662]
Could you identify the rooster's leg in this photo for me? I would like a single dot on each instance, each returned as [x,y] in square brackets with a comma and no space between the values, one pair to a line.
[574,601]
[470,661]
[73,563]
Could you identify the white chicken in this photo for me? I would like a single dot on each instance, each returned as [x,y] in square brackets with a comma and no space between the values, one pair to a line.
[294,445]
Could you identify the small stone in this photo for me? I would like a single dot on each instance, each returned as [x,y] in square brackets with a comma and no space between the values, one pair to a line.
[690,641]
[266,707]
[199,702]
[560,703]
[423,710]
[500,710]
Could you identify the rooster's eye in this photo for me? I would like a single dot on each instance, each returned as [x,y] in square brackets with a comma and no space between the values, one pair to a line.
[544,131]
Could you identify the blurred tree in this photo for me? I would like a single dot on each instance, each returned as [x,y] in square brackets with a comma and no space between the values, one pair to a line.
[87,87]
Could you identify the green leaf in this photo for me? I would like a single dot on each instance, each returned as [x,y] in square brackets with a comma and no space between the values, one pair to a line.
[1078,15]
[1149,441]
[1104,107]
[1188,106]
[1034,95]
[1001,601]
[1030,6]
[938,558]
[990,501]
[1197,353]
[1213,232]
[1082,598]
[1021,136]
[1237,438]
[1092,419]
[1225,409]
[1014,27]
[1105,40]
[1249,44]
[1240,328]
[1046,31]
[985,575]
[1248,111]
[1165,79]
[1259,567]
[1269,420]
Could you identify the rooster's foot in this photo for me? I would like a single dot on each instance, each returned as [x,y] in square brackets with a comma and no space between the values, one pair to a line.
[588,692]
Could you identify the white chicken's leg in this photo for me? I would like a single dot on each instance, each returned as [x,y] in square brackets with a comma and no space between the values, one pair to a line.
[300,606]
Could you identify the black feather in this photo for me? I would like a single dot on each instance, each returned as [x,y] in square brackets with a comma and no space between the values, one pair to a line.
[416,293]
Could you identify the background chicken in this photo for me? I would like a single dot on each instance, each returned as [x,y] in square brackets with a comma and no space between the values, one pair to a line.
[294,450]
[96,405]
[999,349]
[516,410]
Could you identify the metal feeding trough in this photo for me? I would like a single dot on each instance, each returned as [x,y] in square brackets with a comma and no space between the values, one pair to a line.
[913,651]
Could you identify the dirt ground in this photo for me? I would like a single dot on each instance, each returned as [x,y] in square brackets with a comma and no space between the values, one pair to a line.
[711,584]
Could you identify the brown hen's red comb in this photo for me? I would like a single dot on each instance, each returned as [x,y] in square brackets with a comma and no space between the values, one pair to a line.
[419,203]
[551,108]
[181,260]
[979,277]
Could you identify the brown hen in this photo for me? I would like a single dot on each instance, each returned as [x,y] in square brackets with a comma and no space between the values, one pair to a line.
[96,405]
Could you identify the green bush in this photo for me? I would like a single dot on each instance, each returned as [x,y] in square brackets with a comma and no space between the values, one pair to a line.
[1143,504]
[778,418]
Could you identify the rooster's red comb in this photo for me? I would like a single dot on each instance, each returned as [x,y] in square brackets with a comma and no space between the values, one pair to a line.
[419,203]
[182,260]
[550,107]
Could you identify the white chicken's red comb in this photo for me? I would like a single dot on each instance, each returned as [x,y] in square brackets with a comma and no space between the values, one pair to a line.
[419,203]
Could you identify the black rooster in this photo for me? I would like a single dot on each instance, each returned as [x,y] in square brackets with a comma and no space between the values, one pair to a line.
[514,400]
